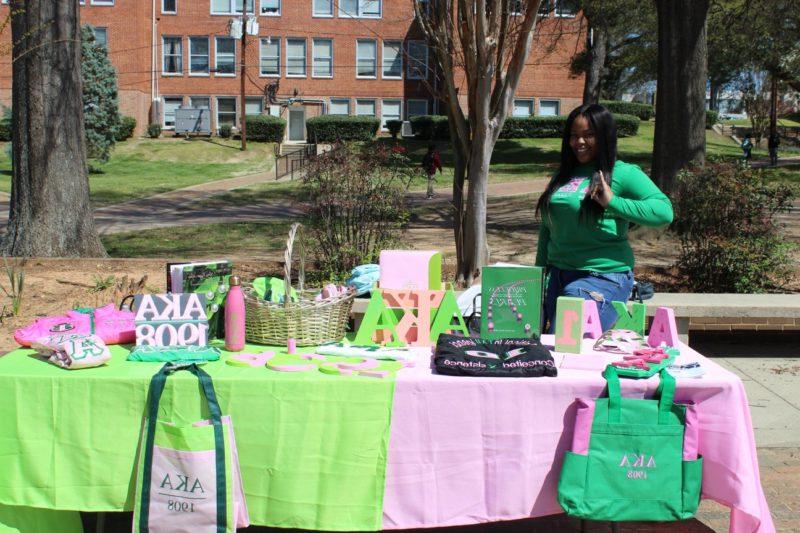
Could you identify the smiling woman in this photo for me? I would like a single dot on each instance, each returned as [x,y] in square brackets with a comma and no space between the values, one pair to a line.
[586,211]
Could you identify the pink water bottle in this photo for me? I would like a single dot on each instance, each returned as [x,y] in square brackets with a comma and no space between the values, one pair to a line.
[234,317]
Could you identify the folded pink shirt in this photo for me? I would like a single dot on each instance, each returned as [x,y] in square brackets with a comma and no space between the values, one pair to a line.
[110,324]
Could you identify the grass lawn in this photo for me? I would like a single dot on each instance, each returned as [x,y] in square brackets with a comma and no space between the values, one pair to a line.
[143,167]
[251,239]
[746,122]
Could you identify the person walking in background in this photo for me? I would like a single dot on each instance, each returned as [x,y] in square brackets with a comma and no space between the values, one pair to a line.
[430,162]
[773,143]
[747,149]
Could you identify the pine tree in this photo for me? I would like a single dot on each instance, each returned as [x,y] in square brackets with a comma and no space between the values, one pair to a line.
[100,104]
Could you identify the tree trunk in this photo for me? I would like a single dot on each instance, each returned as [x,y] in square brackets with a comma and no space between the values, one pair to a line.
[50,211]
[459,178]
[713,95]
[476,248]
[680,102]
[594,72]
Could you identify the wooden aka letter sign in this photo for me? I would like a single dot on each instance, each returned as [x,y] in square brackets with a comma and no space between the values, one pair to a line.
[171,320]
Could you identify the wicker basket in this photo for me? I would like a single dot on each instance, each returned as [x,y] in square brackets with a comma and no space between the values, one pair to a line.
[308,321]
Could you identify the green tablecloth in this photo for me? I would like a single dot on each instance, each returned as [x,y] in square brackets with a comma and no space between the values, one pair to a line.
[312,446]
[28,520]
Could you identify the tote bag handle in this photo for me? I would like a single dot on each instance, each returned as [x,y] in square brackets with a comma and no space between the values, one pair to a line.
[665,394]
[157,384]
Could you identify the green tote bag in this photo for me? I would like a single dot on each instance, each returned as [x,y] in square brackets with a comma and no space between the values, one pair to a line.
[630,460]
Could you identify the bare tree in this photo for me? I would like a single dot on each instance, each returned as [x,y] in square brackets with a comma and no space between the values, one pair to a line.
[680,137]
[50,211]
[482,46]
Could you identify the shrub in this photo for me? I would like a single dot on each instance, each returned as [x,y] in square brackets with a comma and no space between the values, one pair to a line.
[730,240]
[712,117]
[429,127]
[643,111]
[533,127]
[394,127]
[356,204]
[265,128]
[226,131]
[126,127]
[154,131]
[101,117]
[5,125]
[627,125]
[335,128]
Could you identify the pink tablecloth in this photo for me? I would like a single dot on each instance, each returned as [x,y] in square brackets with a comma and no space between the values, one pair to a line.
[469,450]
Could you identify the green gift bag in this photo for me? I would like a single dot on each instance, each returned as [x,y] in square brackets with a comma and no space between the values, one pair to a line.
[188,476]
[632,459]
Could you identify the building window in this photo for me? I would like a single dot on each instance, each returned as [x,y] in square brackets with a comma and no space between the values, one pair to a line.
[271,8]
[102,2]
[173,55]
[416,108]
[198,55]
[253,105]
[200,102]
[296,58]
[393,59]
[226,111]
[360,8]
[225,58]
[231,7]
[171,103]
[523,108]
[322,58]
[417,60]
[544,8]
[366,58]
[566,8]
[101,36]
[169,6]
[323,8]
[271,56]
[391,110]
[339,106]
[549,108]
[365,108]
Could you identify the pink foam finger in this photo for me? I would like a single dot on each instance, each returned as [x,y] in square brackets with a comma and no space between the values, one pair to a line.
[252,359]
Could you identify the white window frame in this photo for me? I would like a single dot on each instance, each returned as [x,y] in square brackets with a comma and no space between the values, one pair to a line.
[208,56]
[260,99]
[167,12]
[557,11]
[102,2]
[558,106]
[347,100]
[194,97]
[408,106]
[102,28]
[328,15]
[232,7]
[359,13]
[217,39]
[164,114]
[374,107]
[374,59]
[305,57]
[261,9]
[530,101]
[164,71]
[412,62]
[235,111]
[272,41]
[383,117]
[383,59]
[314,57]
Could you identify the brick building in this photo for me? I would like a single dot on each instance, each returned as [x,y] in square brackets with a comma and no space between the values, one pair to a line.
[357,57]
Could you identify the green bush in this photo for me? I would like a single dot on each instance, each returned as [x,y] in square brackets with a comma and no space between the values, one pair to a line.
[394,127]
[126,127]
[533,127]
[712,117]
[154,131]
[334,128]
[429,127]
[5,125]
[265,128]
[643,111]
[627,125]
[226,131]
[730,240]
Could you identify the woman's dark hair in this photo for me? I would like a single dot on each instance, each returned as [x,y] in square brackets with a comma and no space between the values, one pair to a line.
[605,131]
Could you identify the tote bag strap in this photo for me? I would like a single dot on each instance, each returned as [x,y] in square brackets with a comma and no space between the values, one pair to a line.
[157,384]
[665,394]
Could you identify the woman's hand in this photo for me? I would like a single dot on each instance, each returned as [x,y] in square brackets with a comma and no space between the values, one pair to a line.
[602,192]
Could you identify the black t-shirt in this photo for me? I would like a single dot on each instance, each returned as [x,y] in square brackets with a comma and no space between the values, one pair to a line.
[468,356]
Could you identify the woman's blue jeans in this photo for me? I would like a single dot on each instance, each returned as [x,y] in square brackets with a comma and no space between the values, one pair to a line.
[603,288]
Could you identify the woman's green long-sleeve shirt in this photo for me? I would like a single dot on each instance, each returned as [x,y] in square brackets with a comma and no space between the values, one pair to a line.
[569,243]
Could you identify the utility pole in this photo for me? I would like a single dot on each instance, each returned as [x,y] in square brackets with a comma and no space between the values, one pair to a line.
[773,107]
[243,110]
